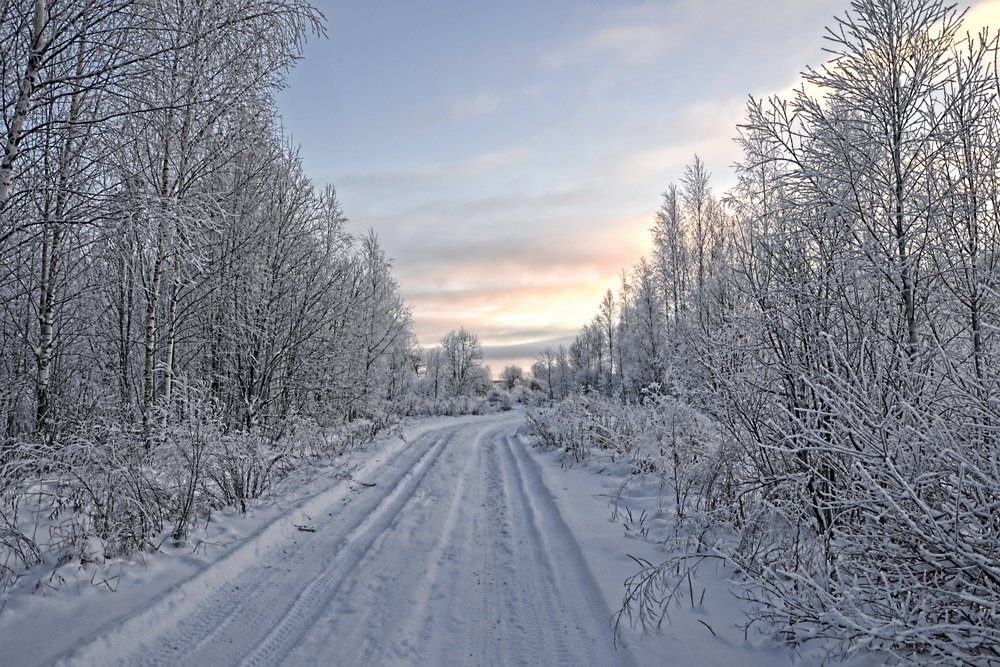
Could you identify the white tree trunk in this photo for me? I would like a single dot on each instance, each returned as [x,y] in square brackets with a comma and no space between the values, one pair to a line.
[28,86]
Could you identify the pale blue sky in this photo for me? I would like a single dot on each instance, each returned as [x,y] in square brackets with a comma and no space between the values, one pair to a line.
[511,155]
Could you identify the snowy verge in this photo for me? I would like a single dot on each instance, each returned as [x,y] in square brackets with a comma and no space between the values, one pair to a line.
[617,516]
[86,601]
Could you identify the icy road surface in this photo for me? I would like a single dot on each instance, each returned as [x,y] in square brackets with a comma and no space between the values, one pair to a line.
[457,555]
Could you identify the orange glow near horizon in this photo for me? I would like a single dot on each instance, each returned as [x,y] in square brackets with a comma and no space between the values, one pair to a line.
[511,305]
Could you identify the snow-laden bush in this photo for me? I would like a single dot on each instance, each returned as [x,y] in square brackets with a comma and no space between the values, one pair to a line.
[661,436]
[241,469]
[881,529]
[499,400]
[584,422]
[84,497]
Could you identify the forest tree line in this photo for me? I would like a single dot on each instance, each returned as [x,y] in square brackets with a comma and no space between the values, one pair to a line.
[157,232]
[835,319]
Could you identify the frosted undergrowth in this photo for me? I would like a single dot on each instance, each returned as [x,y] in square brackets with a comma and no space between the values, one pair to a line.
[105,496]
[844,594]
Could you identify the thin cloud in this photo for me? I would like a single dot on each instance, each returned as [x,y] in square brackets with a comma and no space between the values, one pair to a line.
[629,44]
[479,105]
[476,166]
[633,45]
[598,249]
[706,129]
[523,233]
[493,161]
[522,354]
[527,297]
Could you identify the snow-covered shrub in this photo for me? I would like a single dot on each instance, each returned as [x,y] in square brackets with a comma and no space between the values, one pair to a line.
[498,400]
[111,492]
[661,435]
[107,491]
[86,496]
[184,452]
[18,552]
[359,431]
[697,468]
[241,468]
[885,537]
[583,422]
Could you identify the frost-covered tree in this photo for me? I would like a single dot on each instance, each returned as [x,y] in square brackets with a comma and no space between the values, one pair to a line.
[642,333]
[512,376]
[462,361]
[670,251]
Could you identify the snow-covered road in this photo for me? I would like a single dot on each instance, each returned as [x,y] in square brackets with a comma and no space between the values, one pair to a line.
[457,555]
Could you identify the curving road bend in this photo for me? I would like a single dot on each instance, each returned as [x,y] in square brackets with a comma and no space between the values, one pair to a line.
[457,556]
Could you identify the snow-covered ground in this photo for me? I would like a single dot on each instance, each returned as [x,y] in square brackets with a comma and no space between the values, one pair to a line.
[456,543]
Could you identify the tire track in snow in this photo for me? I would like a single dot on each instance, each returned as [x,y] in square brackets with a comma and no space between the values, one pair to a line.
[390,597]
[497,613]
[416,626]
[317,595]
[548,639]
[574,591]
[272,601]
[522,604]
